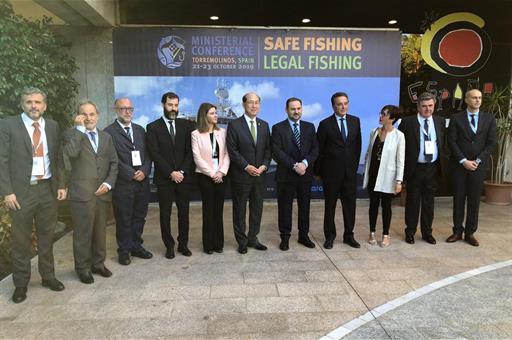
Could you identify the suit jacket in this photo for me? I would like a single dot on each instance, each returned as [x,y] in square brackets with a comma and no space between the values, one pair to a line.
[243,151]
[202,151]
[391,168]
[167,155]
[124,148]
[335,155]
[16,156]
[464,144]
[286,152]
[88,168]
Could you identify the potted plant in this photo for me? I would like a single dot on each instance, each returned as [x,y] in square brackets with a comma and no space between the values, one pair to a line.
[497,190]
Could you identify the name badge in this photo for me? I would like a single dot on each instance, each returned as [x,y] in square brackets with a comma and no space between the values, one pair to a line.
[216,164]
[37,166]
[136,158]
[429,147]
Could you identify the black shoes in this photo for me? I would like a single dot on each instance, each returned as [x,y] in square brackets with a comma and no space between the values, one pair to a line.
[124,259]
[19,295]
[170,253]
[284,246]
[242,249]
[86,277]
[328,244]
[53,284]
[257,246]
[142,253]
[352,242]
[409,238]
[102,271]
[306,242]
[209,252]
[184,251]
[220,251]
[429,239]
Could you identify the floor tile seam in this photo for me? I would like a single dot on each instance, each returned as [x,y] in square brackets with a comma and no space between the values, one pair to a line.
[375,313]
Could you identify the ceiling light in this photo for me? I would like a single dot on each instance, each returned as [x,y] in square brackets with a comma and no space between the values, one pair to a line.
[392,21]
[214,18]
[306,21]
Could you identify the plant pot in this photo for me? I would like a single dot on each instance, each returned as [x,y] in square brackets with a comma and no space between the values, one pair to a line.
[498,194]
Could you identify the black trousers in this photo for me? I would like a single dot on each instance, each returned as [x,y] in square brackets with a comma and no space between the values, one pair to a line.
[467,187]
[384,200]
[242,193]
[130,201]
[39,208]
[421,190]
[285,194]
[345,191]
[212,195]
[167,194]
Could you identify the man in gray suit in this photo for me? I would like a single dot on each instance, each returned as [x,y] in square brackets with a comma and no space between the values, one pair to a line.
[93,159]
[31,182]
[248,141]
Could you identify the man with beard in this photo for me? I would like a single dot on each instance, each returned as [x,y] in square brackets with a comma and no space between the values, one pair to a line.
[31,182]
[169,144]
[131,194]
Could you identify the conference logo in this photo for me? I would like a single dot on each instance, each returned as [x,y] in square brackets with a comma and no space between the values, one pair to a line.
[171,51]
[456,44]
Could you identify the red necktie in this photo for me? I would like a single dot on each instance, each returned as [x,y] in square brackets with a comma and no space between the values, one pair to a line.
[37,145]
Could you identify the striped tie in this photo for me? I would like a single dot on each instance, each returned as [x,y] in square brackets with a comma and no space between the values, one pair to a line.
[296,134]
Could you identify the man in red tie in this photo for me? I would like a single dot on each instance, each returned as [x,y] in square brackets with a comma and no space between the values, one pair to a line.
[31,182]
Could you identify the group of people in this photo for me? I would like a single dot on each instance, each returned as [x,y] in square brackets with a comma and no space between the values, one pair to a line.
[114,165]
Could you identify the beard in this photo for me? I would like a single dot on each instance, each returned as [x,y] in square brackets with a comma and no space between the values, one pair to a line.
[170,114]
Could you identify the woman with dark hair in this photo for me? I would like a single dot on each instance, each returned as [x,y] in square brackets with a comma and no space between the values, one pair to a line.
[212,164]
[384,170]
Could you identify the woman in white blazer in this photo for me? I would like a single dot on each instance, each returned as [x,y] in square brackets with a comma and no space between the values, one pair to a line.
[384,170]
[212,164]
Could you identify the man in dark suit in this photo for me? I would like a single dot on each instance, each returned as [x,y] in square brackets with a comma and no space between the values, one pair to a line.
[248,141]
[169,144]
[472,138]
[130,196]
[31,182]
[339,140]
[295,149]
[92,158]
[424,152]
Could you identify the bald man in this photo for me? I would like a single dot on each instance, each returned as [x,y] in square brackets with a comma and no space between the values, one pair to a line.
[472,138]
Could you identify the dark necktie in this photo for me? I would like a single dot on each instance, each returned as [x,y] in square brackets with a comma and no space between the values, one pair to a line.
[93,138]
[473,124]
[343,132]
[127,129]
[428,157]
[296,134]
[171,130]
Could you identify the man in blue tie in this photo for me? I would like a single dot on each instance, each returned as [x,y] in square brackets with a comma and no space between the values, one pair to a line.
[91,156]
[472,138]
[339,140]
[295,149]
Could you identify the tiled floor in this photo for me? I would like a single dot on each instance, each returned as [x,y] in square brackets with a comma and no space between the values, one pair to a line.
[298,294]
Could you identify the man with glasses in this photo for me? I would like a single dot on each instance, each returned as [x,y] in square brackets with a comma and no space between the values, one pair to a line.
[130,197]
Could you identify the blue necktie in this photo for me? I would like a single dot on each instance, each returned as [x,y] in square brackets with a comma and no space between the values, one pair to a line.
[93,138]
[343,132]
[296,134]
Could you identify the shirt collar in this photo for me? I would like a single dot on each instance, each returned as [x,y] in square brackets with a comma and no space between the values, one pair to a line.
[124,126]
[28,121]
[421,119]
[472,113]
[292,122]
[248,119]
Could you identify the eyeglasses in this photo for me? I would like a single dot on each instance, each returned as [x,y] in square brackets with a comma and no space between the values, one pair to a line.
[126,109]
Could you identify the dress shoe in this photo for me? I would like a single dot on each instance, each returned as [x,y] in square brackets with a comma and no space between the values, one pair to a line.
[284,246]
[53,284]
[429,239]
[257,246]
[220,250]
[209,252]
[169,253]
[86,278]
[184,251]
[142,253]
[409,239]
[328,244]
[372,239]
[352,242]
[102,271]
[454,238]
[471,240]
[124,259]
[242,249]
[19,295]
[306,242]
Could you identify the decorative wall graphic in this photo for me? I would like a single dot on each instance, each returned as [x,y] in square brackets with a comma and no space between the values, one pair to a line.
[456,44]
